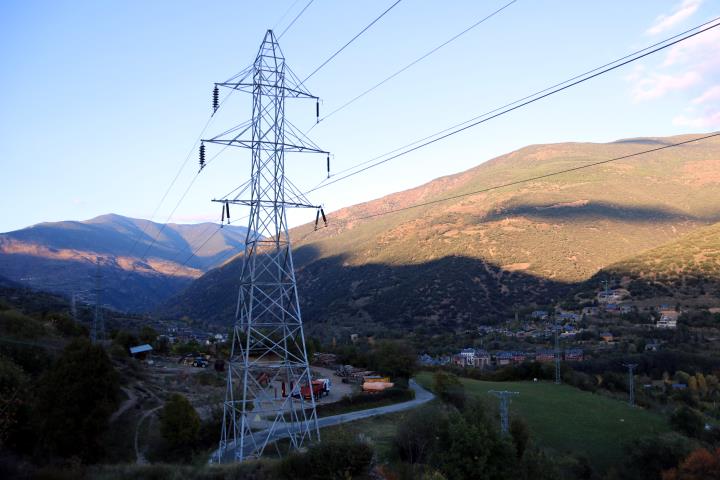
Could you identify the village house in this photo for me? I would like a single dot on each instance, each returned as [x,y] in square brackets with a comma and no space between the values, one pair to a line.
[469,357]
[545,356]
[503,358]
[606,337]
[569,317]
[574,355]
[519,357]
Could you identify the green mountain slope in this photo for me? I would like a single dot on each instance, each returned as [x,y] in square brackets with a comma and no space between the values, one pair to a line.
[469,260]
[686,268]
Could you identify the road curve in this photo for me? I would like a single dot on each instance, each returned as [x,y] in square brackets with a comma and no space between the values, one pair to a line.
[421,396]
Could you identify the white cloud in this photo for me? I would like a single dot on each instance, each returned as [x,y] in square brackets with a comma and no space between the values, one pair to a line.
[709,95]
[657,85]
[710,119]
[691,71]
[682,11]
[702,48]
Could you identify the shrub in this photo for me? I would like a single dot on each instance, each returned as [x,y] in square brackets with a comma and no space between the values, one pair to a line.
[16,324]
[449,388]
[416,434]
[335,459]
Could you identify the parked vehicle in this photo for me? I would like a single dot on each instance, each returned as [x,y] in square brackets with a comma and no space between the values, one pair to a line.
[200,362]
[327,385]
[319,388]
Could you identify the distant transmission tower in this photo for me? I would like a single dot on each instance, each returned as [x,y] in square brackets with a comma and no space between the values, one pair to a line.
[631,382]
[558,353]
[73,306]
[504,397]
[269,393]
[97,332]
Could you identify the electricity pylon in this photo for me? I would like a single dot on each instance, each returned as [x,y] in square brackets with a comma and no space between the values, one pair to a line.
[97,331]
[558,353]
[504,397]
[268,352]
[631,382]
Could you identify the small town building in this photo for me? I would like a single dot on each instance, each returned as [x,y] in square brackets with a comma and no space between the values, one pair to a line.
[574,355]
[141,351]
[544,356]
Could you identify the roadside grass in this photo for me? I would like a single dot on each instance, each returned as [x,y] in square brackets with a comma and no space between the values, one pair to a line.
[563,419]
[379,431]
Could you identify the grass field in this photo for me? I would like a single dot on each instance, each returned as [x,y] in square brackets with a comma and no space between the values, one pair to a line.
[564,419]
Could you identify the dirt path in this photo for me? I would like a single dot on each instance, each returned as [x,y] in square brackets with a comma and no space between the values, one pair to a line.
[127,404]
[140,455]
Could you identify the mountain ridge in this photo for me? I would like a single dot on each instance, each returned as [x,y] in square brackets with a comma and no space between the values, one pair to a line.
[143,262]
[526,243]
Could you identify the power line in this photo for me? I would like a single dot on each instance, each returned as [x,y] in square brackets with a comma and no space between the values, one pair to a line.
[418,144]
[414,62]
[351,40]
[295,19]
[551,90]
[532,179]
[177,175]
[285,14]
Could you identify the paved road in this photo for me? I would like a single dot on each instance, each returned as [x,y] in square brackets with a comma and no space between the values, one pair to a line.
[421,396]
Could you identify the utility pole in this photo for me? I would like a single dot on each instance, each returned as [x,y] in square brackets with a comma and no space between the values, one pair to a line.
[558,353]
[504,397]
[97,331]
[268,353]
[631,382]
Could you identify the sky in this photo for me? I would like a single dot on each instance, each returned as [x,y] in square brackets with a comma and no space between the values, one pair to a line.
[102,101]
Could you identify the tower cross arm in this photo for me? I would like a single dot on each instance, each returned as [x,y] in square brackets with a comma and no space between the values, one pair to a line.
[267,203]
[248,143]
[286,91]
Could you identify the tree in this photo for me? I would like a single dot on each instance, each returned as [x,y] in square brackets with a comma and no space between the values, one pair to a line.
[147,334]
[126,340]
[701,464]
[520,435]
[649,457]
[702,384]
[449,388]
[395,358]
[13,398]
[75,399]
[688,421]
[471,448]
[180,425]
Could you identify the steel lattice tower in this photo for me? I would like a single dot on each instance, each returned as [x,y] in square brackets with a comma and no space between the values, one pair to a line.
[268,361]
[504,397]
[631,382]
[97,331]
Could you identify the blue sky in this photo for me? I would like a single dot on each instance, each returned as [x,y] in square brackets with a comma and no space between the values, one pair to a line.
[101,101]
